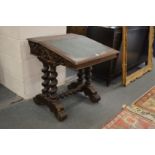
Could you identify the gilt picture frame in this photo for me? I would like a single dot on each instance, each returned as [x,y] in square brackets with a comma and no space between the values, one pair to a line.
[127,79]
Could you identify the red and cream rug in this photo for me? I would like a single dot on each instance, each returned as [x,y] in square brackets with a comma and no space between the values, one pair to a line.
[140,115]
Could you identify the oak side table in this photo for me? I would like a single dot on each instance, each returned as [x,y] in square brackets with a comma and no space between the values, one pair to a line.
[70,50]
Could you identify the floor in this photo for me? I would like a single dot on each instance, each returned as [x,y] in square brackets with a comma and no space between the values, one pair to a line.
[18,113]
[8,98]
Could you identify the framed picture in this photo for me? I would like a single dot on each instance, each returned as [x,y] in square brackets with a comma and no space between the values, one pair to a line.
[127,79]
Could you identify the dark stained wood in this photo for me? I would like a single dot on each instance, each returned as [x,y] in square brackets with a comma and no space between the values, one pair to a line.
[51,58]
[79,81]
[98,56]
[82,30]
[86,87]
[49,95]
[55,106]
[111,71]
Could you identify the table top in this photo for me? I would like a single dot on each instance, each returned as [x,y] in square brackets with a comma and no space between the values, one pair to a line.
[77,49]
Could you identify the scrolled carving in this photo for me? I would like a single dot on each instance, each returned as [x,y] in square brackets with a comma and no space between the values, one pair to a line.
[45,55]
[34,47]
[49,95]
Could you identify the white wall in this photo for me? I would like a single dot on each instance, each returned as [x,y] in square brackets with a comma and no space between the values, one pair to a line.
[20,71]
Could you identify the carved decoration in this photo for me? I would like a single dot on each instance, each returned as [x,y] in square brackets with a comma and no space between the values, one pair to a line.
[46,80]
[88,89]
[45,55]
[49,96]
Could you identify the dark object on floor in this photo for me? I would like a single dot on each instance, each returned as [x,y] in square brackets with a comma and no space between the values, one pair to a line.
[112,37]
[74,51]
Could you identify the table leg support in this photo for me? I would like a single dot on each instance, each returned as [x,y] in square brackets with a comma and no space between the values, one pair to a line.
[49,95]
[88,89]
[79,81]
[55,105]
[39,99]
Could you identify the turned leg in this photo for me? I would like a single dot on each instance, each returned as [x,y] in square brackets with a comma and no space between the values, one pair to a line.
[80,76]
[88,88]
[88,76]
[46,81]
[49,95]
[54,104]
[53,83]
[79,81]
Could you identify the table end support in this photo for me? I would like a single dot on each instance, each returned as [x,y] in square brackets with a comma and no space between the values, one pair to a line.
[55,106]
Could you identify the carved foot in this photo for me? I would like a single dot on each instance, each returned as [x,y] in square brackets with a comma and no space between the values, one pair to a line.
[92,94]
[58,109]
[39,100]
[61,115]
[95,98]
[55,106]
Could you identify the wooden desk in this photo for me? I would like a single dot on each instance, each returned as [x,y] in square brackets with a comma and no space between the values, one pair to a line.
[70,50]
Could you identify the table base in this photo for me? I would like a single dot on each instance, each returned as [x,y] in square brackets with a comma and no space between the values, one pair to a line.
[53,101]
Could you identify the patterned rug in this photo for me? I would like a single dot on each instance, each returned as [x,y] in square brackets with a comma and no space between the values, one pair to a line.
[147,101]
[140,115]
